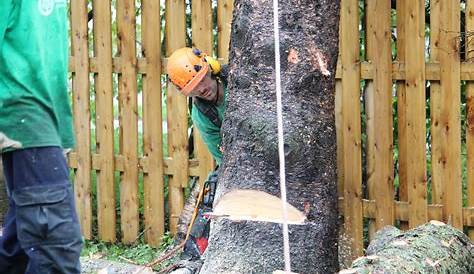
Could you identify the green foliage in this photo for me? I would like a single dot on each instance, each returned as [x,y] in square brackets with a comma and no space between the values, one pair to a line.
[139,253]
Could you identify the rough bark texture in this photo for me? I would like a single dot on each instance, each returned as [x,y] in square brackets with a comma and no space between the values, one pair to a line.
[430,248]
[309,47]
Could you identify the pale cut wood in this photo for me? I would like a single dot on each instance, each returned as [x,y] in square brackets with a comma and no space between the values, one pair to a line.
[177,115]
[81,111]
[401,110]
[128,114]
[415,112]
[254,205]
[153,180]
[224,20]
[450,117]
[104,120]
[470,110]
[201,23]
[436,102]
[351,124]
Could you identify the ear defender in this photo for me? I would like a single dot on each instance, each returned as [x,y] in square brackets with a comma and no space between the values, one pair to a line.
[213,64]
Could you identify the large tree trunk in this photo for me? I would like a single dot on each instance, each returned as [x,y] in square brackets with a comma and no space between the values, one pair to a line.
[430,248]
[309,47]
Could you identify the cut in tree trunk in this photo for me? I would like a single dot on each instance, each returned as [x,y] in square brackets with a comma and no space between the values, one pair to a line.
[309,47]
[431,248]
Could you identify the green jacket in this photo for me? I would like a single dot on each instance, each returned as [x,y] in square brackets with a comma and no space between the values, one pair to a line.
[210,133]
[34,102]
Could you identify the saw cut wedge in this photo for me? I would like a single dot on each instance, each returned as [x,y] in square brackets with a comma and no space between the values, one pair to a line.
[254,205]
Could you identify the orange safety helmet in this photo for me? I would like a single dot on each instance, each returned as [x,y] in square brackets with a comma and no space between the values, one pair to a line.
[186,68]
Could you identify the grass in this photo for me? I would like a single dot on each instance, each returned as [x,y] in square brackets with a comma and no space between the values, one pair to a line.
[139,253]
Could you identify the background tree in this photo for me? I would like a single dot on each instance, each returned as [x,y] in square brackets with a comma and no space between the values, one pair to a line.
[309,48]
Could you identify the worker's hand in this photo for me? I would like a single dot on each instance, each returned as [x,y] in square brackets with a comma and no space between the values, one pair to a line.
[6,142]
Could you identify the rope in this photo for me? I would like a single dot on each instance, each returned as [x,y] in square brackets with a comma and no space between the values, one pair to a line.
[281,151]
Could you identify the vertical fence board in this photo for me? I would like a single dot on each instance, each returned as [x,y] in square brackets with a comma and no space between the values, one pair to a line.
[470,109]
[81,109]
[415,111]
[371,19]
[382,59]
[177,114]
[128,119]
[339,137]
[401,110]
[435,110]
[104,120]
[153,183]
[450,117]
[201,24]
[224,20]
[351,124]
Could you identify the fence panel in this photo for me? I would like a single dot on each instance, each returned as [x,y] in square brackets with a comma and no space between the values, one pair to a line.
[128,113]
[415,111]
[177,111]
[410,71]
[104,120]
[449,119]
[351,124]
[470,109]
[81,111]
[153,180]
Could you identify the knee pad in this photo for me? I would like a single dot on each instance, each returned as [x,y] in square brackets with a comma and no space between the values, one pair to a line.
[46,215]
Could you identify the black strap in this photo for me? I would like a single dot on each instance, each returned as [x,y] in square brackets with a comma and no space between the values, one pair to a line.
[209,110]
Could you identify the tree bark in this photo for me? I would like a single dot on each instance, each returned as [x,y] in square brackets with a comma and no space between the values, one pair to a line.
[309,48]
[430,248]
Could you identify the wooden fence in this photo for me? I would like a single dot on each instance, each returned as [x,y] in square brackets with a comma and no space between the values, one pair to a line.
[366,140]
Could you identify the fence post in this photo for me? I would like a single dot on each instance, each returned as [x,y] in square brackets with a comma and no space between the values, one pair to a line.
[153,180]
[81,111]
[470,109]
[351,124]
[177,115]
[104,120]
[415,111]
[128,114]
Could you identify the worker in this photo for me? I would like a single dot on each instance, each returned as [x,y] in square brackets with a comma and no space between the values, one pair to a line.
[201,77]
[41,232]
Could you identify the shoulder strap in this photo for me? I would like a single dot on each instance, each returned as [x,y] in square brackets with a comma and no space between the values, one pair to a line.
[209,110]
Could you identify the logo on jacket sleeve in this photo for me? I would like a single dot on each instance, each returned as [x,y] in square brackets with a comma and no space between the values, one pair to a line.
[46,7]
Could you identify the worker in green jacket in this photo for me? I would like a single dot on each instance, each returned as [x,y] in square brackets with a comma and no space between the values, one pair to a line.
[201,77]
[41,232]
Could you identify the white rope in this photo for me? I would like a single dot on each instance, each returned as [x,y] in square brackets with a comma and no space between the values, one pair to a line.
[281,151]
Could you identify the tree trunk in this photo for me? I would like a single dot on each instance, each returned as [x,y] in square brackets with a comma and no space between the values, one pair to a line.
[309,48]
[430,248]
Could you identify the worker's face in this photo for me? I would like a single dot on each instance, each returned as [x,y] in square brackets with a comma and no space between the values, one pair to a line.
[206,89]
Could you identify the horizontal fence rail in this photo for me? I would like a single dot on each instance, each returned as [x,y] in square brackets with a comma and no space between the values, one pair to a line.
[404,115]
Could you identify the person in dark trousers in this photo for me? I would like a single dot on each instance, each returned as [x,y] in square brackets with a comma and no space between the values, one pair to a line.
[41,233]
[201,77]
